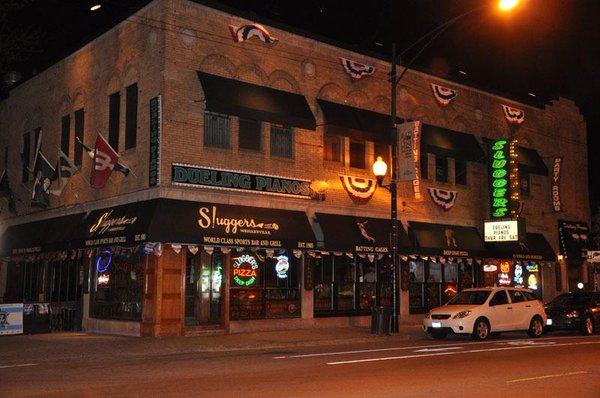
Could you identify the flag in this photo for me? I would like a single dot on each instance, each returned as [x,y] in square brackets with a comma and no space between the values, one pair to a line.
[65,169]
[6,192]
[106,159]
[87,149]
[119,166]
[44,175]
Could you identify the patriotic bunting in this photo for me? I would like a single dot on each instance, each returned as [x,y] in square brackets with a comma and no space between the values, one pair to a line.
[355,70]
[443,95]
[245,32]
[359,189]
[513,115]
[444,199]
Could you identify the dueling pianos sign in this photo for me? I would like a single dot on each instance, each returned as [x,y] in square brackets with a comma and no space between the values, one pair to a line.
[188,175]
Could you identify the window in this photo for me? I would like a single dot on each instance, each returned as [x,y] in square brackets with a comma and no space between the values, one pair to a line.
[332,148]
[384,152]
[249,135]
[114,111]
[524,184]
[131,109]
[441,169]
[216,130]
[65,134]
[79,129]
[516,296]
[282,142]
[499,298]
[424,163]
[460,172]
[357,154]
[26,157]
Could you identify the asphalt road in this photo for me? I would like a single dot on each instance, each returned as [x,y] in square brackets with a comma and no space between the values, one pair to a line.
[508,366]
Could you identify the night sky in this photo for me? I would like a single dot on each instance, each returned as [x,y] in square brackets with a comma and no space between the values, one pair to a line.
[546,47]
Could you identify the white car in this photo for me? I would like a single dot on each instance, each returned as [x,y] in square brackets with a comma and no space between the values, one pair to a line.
[481,311]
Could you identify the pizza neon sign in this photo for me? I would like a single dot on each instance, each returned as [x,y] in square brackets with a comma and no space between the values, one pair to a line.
[245,270]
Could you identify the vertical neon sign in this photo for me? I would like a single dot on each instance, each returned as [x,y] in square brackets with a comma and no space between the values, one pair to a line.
[499,169]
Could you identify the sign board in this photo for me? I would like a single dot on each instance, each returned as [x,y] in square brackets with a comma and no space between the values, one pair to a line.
[11,319]
[502,230]
[593,256]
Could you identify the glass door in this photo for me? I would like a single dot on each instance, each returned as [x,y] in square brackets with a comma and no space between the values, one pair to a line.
[203,288]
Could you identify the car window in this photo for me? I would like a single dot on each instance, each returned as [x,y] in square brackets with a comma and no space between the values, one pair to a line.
[470,297]
[530,296]
[499,298]
[516,296]
[568,299]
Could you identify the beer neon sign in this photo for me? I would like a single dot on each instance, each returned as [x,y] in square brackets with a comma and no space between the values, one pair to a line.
[245,270]
[282,267]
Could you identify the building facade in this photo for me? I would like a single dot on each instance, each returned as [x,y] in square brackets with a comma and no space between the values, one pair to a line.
[245,198]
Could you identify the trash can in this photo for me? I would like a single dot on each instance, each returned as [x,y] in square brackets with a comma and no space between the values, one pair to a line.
[380,320]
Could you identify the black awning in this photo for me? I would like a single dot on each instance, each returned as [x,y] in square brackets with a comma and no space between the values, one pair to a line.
[250,101]
[360,234]
[446,240]
[574,240]
[452,144]
[228,225]
[535,247]
[42,236]
[530,161]
[358,124]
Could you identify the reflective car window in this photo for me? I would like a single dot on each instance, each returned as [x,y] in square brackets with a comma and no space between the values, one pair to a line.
[568,299]
[470,297]
[516,296]
[530,296]
[499,298]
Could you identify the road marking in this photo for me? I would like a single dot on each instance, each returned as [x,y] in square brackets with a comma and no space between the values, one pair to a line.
[548,376]
[438,349]
[529,342]
[17,366]
[456,353]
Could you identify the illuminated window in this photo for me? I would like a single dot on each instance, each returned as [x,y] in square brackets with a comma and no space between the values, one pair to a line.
[249,135]
[332,148]
[357,154]
[282,142]
[216,130]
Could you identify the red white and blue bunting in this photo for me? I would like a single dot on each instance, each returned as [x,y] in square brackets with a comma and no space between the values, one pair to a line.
[359,189]
[444,199]
[355,70]
[245,32]
[513,115]
[443,95]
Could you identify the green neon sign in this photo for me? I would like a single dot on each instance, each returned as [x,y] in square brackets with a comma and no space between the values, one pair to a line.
[499,179]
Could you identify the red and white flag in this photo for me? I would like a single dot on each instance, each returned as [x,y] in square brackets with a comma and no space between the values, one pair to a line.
[105,160]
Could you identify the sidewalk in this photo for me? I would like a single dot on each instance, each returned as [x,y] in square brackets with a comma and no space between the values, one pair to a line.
[41,347]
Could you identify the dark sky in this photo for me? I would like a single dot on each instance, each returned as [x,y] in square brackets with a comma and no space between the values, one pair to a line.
[546,47]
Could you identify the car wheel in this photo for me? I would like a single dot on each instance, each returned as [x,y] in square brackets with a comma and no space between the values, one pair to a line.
[536,327]
[588,326]
[481,330]
[438,334]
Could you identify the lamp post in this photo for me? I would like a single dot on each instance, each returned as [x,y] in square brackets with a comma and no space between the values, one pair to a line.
[380,167]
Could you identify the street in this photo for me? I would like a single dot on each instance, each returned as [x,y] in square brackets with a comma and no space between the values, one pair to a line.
[555,365]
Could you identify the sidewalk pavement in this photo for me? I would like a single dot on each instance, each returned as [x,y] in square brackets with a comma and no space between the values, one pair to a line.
[80,345]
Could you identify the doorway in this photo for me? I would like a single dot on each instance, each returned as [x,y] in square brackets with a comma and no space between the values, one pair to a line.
[203,288]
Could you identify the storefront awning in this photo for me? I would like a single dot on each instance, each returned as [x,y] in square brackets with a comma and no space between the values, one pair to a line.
[359,234]
[535,247]
[531,162]
[358,124]
[452,144]
[574,240]
[445,240]
[251,101]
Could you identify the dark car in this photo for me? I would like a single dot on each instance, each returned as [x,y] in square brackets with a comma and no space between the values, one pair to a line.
[574,311]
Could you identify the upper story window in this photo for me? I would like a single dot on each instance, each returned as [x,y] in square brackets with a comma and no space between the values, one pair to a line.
[131,109]
[250,135]
[79,129]
[26,157]
[65,134]
[357,154]
[460,172]
[114,114]
[282,142]
[525,184]
[332,148]
[424,165]
[441,169]
[216,130]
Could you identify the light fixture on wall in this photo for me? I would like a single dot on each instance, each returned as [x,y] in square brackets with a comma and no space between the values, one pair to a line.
[318,189]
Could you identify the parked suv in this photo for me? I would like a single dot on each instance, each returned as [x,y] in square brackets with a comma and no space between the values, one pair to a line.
[574,311]
[482,311]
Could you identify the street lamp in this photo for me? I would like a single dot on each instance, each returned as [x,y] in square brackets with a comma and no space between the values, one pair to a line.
[380,168]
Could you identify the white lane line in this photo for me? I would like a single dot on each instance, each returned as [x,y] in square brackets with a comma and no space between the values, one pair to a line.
[17,366]
[438,349]
[456,353]
[548,376]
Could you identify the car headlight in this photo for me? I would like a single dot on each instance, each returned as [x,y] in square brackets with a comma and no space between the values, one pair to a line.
[462,314]
[428,315]
[572,314]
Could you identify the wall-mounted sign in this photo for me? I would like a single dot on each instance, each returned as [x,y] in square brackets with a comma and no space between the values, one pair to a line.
[501,174]
[518,278]
[556,204]
[194,176]
[504,274]
[245,270]
[503,230]
[103,279]
[282,267]
[155,135]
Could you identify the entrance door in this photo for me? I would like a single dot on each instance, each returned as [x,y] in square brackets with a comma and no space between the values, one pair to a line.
[203,288]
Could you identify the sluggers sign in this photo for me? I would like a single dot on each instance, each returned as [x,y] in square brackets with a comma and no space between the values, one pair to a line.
[502,157]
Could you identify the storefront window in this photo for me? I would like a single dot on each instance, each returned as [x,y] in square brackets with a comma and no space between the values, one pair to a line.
[118,288]
[264,286]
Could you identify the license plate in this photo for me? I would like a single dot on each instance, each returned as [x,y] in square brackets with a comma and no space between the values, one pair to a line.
[549,321]
[436,324]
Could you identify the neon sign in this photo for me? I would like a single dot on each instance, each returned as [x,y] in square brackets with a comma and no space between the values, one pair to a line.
[532,282]
[518,274]
[282,267]
[103,279]
[490,268]
[504,275]
[104,261]
[503,178]
[245,270]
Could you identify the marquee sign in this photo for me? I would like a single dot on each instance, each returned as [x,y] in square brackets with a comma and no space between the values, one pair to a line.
[195,176]
[503,173]
[503,230]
